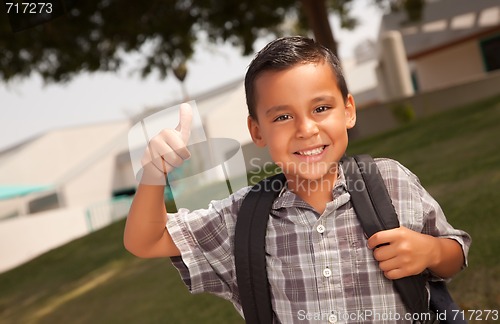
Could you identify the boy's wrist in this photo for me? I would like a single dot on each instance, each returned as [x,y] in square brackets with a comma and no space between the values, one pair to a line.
[435,254]
[150,175]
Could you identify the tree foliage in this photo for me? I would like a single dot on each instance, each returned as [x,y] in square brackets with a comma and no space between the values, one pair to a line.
[95,35]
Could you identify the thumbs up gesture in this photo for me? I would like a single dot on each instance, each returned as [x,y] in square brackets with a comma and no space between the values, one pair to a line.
[167,150]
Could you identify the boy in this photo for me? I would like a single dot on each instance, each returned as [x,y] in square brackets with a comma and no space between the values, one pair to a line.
[320,265]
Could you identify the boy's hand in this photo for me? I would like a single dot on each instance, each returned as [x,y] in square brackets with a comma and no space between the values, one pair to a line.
[402,252]
[167,150]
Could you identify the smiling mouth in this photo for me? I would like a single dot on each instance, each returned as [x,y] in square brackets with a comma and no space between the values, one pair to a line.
[312,152]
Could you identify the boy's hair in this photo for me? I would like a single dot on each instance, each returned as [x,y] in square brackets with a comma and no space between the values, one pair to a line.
[284,53]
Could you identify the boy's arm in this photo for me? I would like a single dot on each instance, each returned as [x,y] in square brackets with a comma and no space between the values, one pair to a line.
[145,232]
[407,253]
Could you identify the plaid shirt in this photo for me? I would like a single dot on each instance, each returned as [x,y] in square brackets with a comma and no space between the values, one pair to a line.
[319,267]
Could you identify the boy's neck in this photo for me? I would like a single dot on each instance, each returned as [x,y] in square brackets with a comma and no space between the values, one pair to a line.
[316,193]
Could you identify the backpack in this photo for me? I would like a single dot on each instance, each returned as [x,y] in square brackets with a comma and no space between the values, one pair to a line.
[374,209]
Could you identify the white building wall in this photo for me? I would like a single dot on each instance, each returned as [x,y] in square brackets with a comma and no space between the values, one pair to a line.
[24,238]
[79,163]
[91,185]
[450,66]
[123,174]
[13,207]
[229,118]
[94,181]
[51,157]
[393,72]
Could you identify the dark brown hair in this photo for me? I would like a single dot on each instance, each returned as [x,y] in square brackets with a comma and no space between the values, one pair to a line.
[283,53]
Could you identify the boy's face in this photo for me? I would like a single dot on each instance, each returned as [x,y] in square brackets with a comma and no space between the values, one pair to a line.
[302,118]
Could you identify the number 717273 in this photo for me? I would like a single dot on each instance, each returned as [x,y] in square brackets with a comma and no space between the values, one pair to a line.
[28,7]
[476,314]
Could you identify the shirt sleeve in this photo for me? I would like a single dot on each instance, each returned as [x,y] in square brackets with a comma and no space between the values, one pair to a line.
[425,213]
[205,239]
[436,224]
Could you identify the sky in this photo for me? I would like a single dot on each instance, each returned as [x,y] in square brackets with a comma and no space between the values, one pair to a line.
[28,108]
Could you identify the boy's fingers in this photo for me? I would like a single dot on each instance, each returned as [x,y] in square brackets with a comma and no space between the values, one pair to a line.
[185,119]
[161,165]
[382,237]
[388,265]
[174,142]
[153,157]
[395,274]
[162,155]
[384,253]
[167,150]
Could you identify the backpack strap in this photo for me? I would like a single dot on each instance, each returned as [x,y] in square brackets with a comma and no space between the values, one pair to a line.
[249,241]
[375,212]
[250,250]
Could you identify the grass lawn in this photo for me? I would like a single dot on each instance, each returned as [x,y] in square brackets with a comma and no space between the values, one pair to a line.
[456,155]
[457,158]
[94,280]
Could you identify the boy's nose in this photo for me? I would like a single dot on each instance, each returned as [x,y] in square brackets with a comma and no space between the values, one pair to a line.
[306,127]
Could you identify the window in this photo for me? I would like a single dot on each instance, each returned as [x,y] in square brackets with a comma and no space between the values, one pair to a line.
[490,48]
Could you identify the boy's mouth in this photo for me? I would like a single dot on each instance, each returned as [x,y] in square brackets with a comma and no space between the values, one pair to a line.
[312,152]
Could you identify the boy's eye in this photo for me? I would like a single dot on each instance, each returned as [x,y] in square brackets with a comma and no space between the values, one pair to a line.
[281,118]
[321,109]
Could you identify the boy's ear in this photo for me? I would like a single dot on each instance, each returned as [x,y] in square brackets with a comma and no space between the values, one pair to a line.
[350,112]
[254,129]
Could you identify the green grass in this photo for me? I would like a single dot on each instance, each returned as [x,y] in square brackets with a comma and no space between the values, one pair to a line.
[456,155]
[94,280]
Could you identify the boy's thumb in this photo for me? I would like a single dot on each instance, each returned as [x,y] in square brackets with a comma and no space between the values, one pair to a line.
[185,118]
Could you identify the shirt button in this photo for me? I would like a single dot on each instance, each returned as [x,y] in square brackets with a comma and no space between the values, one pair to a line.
[332,318]
[320,229]
[327,272]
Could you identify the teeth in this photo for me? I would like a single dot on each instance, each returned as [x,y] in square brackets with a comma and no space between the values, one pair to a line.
[312,152]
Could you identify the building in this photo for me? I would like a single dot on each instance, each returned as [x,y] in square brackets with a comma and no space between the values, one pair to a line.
[60,168]
[67,182]
[456,41]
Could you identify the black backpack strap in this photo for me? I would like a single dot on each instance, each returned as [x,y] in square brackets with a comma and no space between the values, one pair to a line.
[250,256]
[250,251]
[375,212]
[442,303]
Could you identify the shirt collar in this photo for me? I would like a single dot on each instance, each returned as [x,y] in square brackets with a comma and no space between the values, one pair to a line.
[287,198]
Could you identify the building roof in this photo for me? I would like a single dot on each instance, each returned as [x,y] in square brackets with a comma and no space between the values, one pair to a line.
[7,192]
[444,22]
[54,157]
[210,97]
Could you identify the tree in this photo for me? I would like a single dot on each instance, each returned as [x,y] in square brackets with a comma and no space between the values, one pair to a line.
[95,35]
